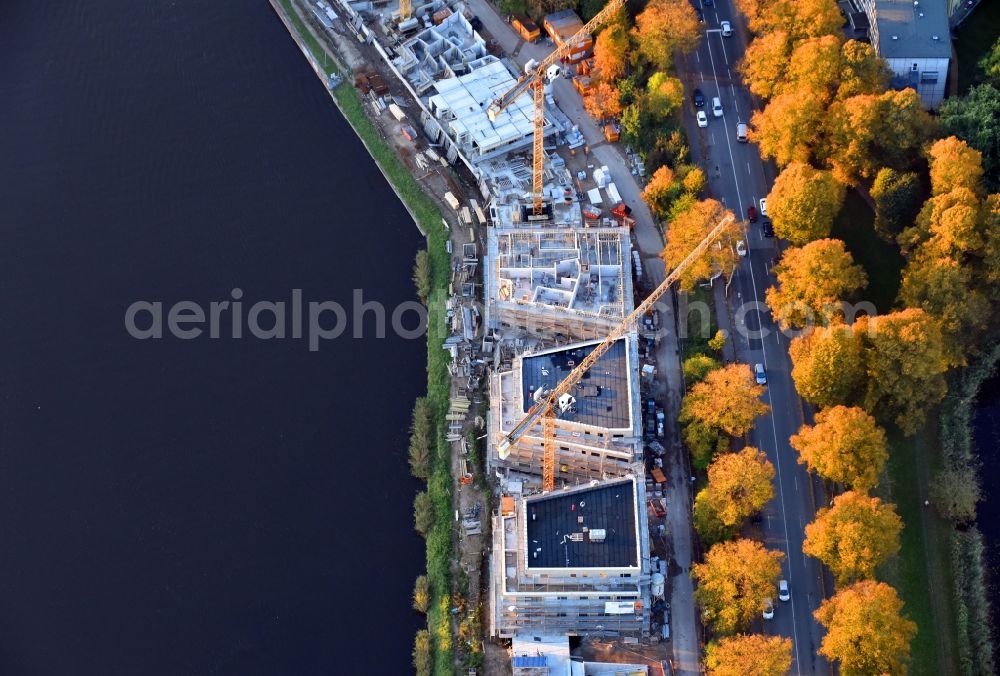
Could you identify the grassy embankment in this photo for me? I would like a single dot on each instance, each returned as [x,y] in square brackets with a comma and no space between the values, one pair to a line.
[428,217]
[921,571]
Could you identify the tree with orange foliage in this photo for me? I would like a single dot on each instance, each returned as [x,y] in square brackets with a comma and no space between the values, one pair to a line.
[661,190]
[764,63]
[845,446]
[865,630]
[867,132]
[733,583]
[665,27]
[812,282]
[749,655]
[788,128]
[611,48]
[739,485]
[687,230]
[728,399]
[854,536]
[828,365]
[955,165]
[603,102]
[803,203]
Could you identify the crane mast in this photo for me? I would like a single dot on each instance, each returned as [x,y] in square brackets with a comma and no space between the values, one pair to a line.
[545,409]
[536,81]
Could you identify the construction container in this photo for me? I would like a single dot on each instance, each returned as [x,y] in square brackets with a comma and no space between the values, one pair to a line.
[563,25]
[611,132]
[583,84]
[526,28]
[440,15]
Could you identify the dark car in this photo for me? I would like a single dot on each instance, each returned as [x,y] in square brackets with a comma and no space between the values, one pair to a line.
[768,229]
[476,23]
[708,3]
[698,98]
[751,214]
[700,15]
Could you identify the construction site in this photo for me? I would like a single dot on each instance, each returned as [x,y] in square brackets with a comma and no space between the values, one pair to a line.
[544,323]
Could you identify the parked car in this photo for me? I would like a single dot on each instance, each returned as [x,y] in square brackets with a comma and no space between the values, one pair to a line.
[768,229]
[783,593]
[741,248]
[768,609]
[716,106]
[708,3]
[751,214]
[727,28]
[701,15]
[702,118]
[698,98]
[759,374]
[763,206]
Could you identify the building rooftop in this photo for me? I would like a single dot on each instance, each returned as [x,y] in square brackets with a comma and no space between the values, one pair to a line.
[602,397]
[908,29]
[564,530]
[461,103]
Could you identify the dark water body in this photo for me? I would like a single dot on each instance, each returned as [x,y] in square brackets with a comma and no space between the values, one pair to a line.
[193,507]
[986,430]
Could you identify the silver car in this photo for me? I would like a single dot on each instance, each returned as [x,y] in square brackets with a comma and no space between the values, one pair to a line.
[759,374]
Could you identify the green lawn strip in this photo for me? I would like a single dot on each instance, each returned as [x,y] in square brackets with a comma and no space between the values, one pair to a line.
[973,39]
[880,259]
[696,340]
[317,50]
[428,216]
[921,572]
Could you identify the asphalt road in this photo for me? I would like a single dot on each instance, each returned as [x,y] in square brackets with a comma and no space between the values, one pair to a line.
[739,178]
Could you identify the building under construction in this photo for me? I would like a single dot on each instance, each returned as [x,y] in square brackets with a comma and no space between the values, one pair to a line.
[558,283]
[597,429]
[572,562]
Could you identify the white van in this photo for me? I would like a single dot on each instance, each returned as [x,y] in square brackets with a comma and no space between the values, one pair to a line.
[741,132]
[716,106]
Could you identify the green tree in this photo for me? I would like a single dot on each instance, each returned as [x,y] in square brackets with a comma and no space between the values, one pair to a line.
[845,445]
[664,95]
[728,400]
[897,201]
[718,341]
[956,492]
[421,428]
[865,630]
[749,655]
[854,536]
[803,203]
[906,363]
[733,583]
[696,367]
[812,282]
[422,275]
[828,365]
[975,118]
[704,442]
[423,513]
[990,63]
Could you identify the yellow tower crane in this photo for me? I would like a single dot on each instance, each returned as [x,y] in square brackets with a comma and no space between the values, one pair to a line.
[545,409]
[546,69]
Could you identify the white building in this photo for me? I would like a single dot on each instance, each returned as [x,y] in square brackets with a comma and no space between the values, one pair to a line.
[913,37]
